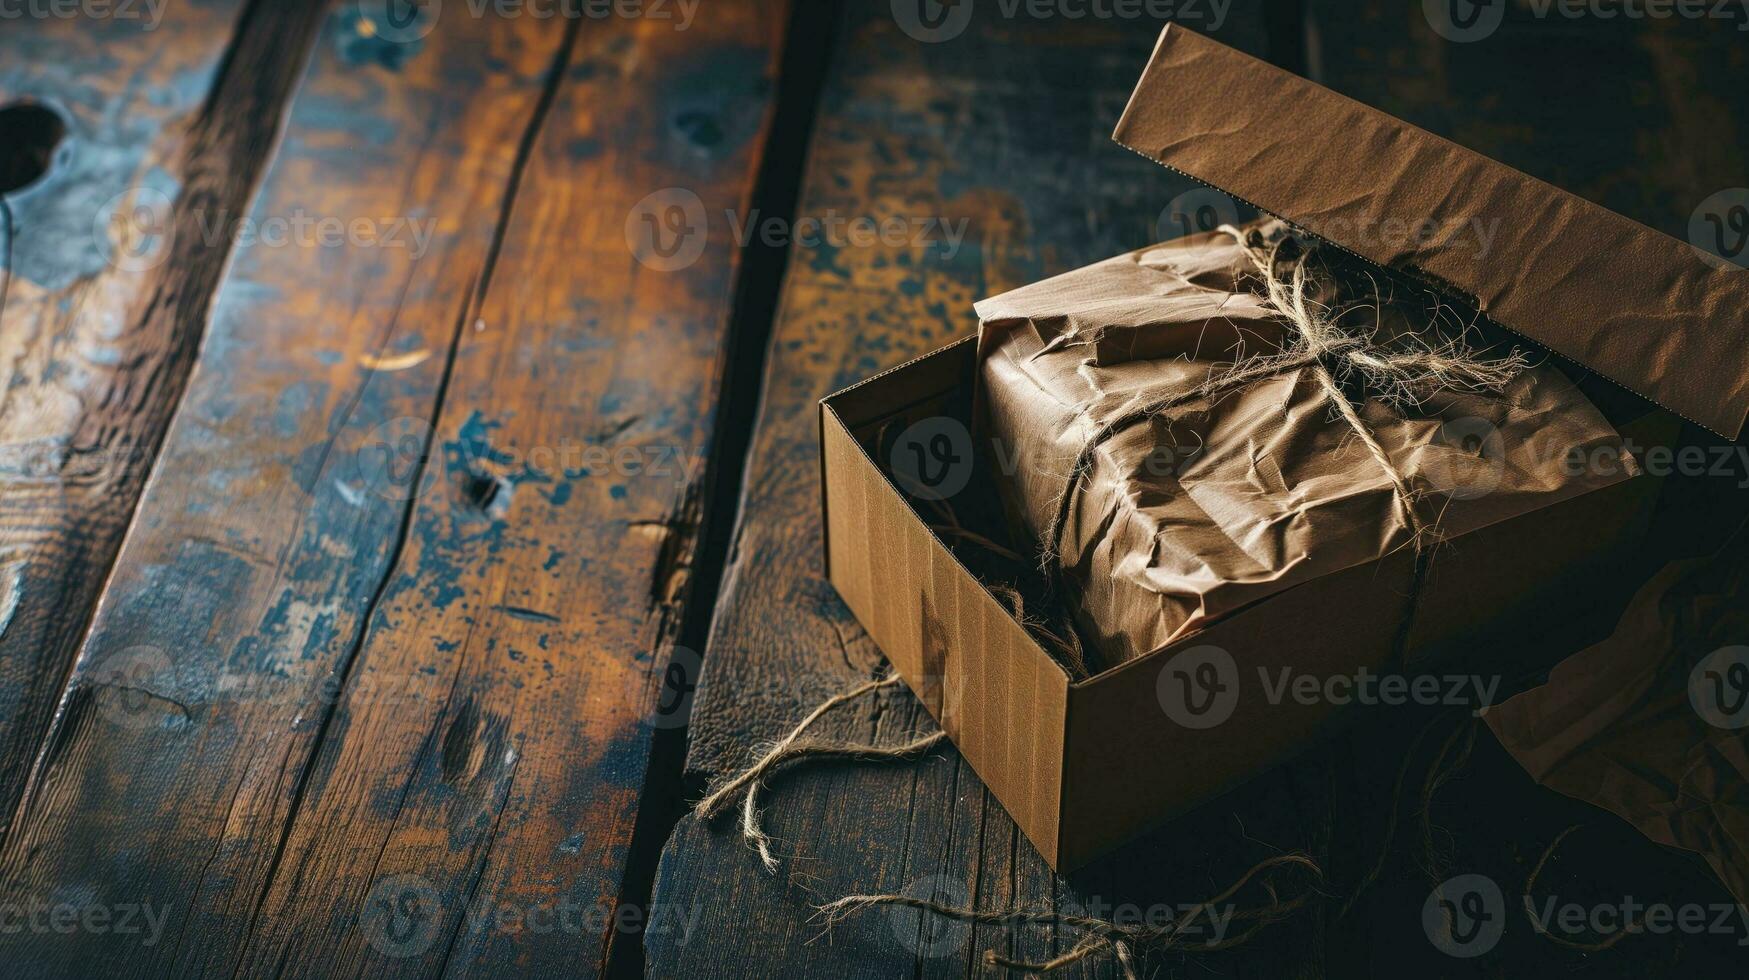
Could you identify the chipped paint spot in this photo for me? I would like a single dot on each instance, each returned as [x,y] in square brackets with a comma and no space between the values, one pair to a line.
[394,362]
[349,493]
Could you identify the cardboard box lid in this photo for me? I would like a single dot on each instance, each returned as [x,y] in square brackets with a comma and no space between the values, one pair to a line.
[1632,304]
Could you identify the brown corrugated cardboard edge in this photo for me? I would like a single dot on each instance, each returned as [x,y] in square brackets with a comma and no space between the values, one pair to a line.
[1027,781]
[1632,304]
[825,407]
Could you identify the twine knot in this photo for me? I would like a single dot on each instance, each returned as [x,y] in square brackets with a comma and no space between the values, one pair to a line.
[1403,376]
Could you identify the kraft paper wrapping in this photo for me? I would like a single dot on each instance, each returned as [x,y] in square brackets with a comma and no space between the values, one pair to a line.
[1225,501]
[1651,723]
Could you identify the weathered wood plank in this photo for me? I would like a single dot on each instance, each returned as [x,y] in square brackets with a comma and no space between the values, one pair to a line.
[178,752]
[106,270]
[1004,127]
[490,746]
[274,524]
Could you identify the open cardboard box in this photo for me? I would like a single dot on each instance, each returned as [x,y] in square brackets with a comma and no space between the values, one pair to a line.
[1084,764]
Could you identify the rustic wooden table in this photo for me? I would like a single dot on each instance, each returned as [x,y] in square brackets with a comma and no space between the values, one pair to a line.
[385,448]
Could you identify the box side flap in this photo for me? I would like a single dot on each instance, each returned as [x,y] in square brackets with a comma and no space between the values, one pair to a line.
[991,687]
[1633,304]
[853,406]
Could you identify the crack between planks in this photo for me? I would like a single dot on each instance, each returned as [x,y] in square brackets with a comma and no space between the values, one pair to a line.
[469,312]
[808,40]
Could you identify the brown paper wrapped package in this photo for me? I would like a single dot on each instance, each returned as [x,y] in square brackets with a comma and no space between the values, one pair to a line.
[1223,501]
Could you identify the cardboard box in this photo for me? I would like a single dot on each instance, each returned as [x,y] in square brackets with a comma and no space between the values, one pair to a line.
[1083,764]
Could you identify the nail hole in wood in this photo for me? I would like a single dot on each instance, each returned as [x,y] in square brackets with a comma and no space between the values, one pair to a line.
[29,134]
[486,493]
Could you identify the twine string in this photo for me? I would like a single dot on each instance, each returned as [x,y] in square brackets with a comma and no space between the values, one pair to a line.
[1608,942]
[1097,934]
[793,748]
[1401,377]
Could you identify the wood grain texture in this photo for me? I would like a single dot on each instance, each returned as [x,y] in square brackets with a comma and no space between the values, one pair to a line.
[371,685]
[109,263]
[1003,128]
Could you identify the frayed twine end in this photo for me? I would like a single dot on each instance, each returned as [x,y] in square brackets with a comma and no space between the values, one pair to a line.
[793,749]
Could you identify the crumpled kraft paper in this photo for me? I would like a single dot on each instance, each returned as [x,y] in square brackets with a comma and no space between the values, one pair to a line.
[1652,724]
[1225,501]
